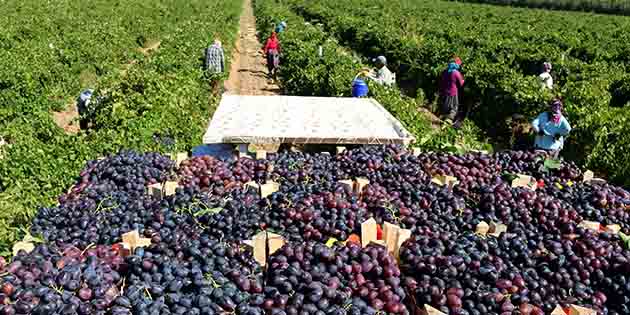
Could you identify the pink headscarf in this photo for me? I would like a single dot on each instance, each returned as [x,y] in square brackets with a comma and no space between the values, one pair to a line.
[556,111]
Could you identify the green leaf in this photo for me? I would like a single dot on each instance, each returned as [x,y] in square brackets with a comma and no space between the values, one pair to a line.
[208,211]
[625,239]
[552,164]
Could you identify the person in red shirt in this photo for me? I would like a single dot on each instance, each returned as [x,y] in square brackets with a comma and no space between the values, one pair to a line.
[450,83]
[272,50]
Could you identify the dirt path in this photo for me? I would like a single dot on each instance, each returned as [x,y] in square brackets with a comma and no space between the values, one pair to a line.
[248,71]
[67,119]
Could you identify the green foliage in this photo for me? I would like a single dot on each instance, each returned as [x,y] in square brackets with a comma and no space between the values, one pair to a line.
[621,7]
[304,72]
[50,51]
[588,52]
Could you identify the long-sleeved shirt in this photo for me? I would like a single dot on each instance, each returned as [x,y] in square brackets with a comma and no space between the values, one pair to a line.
[450,83]
[546,80]
[547,141]
[272,44]
[84,101]
[280,28]
[383,76]
[215,59]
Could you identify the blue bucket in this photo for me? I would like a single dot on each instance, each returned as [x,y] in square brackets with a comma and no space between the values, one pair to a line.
[359,88]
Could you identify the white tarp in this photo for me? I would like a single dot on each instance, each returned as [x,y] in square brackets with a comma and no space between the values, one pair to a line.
[297,119]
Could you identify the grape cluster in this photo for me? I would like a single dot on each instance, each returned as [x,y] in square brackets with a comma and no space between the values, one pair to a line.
[128,171]
[231,216]
[523,209]
[315,212]
[532,163]
[205,277]
[195,263]
[532,272]
[311,278]
[419,208]
[62,280]
[207,172]
[596,202]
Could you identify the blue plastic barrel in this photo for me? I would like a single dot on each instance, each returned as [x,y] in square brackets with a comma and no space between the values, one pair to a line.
[359,88]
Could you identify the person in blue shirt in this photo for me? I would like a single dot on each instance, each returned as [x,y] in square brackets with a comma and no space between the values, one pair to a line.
[280,27]
[551,127]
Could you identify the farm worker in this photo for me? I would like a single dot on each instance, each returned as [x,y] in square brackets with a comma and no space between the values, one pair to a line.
[272,50]
[382,75]
[545,77]
[215,62]
[551,127]
[281,27]
[83,101]
[450,83]
[215,59]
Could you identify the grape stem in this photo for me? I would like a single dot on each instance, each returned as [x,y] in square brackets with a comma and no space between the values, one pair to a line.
[147,293]
[86,249]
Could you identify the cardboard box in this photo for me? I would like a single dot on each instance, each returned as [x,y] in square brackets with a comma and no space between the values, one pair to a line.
[160,190]
[558,311]
[268,189]
[253,184]
[403,235]
[265,244]
[180,157]
[132,240]
[341,149]
[482,228]
[260,247]
[591,225]
[359,184]
[525,181]
[274,242]
[589,177]
[261,154]
[379,242]
[496,229]
[155,190]
[347,183]
[430,310]
[579,310]
[416,151]
[368,232]
[442,180]
[170,187]
[613,228]
[390,236]
[265,189]
[22,245]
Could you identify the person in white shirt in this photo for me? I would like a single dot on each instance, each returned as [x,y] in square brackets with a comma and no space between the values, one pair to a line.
[545,77]
[382,75]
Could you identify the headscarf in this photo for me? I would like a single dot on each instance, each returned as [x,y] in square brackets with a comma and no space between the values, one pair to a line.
[547,66]
[453,66]
[380,60]
[217,43]
[556,111]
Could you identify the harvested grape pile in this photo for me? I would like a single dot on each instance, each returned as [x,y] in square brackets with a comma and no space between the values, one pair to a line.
[197,262]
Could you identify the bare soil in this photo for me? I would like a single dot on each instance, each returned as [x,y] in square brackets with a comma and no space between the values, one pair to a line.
[68,119]
[248,71]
